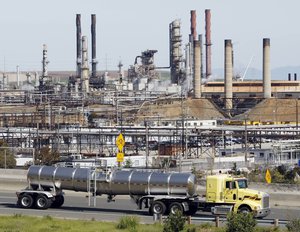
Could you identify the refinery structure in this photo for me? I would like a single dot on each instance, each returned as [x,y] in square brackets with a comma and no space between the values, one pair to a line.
[176,113]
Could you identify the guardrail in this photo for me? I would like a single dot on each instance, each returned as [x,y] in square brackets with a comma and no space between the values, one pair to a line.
[217,220]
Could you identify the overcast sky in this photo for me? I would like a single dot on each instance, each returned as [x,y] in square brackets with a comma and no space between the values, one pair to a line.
[125,28]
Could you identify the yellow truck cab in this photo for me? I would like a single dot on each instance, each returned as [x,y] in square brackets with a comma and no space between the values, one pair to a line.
[226,193]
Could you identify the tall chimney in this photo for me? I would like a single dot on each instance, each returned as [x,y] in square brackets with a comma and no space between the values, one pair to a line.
[289,77]
[266,68]
[228,74]
[197,70]
[93,31]
[78,44]
[18,76]
[85,65]
[201,55]
[295,76]
[193,24]
[208,42]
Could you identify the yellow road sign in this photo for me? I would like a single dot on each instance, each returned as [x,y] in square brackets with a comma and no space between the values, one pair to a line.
[120,142]
[268,176]
[120,157]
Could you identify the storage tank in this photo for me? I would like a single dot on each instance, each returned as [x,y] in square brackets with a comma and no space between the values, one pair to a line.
[116,182]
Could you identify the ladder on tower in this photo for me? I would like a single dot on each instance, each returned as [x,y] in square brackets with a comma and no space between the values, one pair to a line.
[92,187]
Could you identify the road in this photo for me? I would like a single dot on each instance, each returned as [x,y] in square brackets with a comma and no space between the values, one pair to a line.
[76,207]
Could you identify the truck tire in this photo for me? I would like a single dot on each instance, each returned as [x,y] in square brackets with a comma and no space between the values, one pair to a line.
[42,202]
[58,201]
[244,209]
[25,201]
[158,207]
[175,206]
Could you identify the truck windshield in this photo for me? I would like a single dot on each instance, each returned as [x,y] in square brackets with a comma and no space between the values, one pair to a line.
[242,184]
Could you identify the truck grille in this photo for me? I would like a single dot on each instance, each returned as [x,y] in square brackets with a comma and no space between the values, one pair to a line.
[265,201]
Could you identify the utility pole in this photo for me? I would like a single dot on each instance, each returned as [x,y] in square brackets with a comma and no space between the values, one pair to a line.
[246,142]
[147,143]
[297,119]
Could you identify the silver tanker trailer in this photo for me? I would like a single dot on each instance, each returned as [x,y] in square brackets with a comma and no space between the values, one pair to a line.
[161,192]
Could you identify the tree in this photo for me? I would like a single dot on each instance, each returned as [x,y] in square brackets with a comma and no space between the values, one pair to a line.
[7,158]
[46,157]
[174,222]
[240,222]
[128,163]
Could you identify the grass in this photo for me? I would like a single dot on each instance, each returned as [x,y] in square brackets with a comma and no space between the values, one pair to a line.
[20,223]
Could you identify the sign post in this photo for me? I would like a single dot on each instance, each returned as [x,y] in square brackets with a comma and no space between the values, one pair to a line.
[120,142]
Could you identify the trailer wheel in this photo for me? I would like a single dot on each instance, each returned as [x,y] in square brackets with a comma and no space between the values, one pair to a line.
[175,206]
[158,207]
[42,202]
[58,202]
[25,201]
[244,209]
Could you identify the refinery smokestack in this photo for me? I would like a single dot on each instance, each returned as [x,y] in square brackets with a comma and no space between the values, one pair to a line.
[93,31]
[208,42]
[85,66]
[18,76]
[78,44]
[193,24]
[228,75]
[197,69]
[45,61]
[266,68]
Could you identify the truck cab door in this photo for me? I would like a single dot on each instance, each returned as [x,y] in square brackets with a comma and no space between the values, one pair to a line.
[231,192]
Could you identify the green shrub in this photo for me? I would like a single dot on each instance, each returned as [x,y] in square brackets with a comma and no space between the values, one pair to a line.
[128,222]
[293,225]
[240,222]
[174,222]
[267,229]
[206,225]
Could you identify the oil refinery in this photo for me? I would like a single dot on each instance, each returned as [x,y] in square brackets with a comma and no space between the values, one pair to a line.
[177,116]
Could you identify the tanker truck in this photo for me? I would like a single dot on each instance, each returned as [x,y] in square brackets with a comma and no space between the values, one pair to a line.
[160,192]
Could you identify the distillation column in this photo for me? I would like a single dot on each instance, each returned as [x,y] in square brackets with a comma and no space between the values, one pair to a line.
[78,44]
[175,51]
[85,66]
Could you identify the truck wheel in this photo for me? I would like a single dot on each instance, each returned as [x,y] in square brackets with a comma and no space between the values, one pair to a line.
[175,206]
[244,209]
[25,201]
[42,202]
[58,202]
[158,207]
